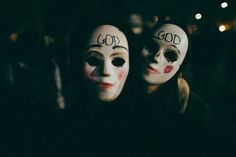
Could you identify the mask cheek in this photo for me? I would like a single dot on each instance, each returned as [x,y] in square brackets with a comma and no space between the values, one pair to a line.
[122,74]
[168,69]
[171,68]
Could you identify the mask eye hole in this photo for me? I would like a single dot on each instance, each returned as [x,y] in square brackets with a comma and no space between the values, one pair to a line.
[118,62]
[93,61]
[171,56]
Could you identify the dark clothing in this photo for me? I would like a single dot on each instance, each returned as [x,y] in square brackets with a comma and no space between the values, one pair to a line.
[160,130]
[28,134]
[95,129]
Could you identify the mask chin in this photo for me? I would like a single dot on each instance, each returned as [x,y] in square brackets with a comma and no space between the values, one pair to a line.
[106,99]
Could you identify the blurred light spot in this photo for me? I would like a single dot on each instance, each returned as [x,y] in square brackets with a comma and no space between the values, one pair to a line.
[192,28]
[224,5]
[222,28]
[198,16]
[155,18]
[48,40]
[22,65]
[167,18]
[13,36]
[136,23]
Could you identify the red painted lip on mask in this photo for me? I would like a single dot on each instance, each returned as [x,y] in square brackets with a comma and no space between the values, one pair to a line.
[105,85]
[168,69]
[151,70]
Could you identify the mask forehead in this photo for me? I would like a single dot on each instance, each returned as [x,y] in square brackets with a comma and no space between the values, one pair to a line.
[107,35]
[170,34]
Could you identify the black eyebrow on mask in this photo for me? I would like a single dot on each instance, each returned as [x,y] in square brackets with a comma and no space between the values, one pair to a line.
[119,46]
[93,45]
[176,48]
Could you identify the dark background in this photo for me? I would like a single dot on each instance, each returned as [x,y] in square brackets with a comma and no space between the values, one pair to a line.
[55,17]
[211,72]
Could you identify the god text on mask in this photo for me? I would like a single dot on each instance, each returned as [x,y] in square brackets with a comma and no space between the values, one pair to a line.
[168,37]
[108,40]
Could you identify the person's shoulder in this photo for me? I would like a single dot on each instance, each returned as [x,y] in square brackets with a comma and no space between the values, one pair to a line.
[198,108]
[188,99]
[197,101]
[193,105]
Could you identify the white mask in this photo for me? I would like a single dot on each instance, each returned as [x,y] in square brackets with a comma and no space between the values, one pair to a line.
[164,54]
[106,62]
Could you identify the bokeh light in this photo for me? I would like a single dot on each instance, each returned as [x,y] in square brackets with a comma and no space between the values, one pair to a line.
[198,16]
[224,5]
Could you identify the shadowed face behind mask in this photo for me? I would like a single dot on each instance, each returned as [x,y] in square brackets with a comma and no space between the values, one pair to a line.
[106,63]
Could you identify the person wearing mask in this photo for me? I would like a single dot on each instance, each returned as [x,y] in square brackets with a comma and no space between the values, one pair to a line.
[170,119]
[99,57]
